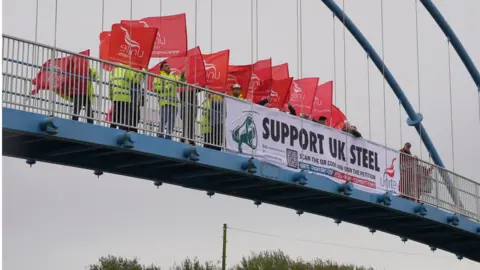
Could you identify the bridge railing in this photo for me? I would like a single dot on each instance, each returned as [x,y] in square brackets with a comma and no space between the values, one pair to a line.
[164,107]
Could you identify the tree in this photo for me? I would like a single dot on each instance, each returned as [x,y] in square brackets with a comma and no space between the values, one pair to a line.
[118,263]
[265,260]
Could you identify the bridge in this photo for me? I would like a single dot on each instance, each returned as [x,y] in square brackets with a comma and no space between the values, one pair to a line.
[39,128]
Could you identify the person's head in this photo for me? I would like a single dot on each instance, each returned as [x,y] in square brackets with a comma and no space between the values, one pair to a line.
[346,125]
[322,120]
[407,146]
[165,67]
[236,90]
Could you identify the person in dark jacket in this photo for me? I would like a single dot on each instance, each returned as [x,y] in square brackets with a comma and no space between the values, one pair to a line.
[351,129]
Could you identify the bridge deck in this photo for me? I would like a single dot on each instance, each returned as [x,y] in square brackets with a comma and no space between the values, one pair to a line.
[94,147]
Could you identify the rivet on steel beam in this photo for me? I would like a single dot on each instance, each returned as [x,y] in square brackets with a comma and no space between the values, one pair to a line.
[210,193]
[453,219]
[30,162]
[338,221]
[420,209]
[191,153]
[346,188]
[257,203]
[127,139]
[478,229]
[433,248]
[97,173]
[404,239]
[249,166]
[157,184]
[372,230]
[460,257]
[48,126]
[299,212]
[385,199]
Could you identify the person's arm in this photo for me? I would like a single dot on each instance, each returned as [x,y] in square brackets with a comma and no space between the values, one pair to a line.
[292,110]
[356,133]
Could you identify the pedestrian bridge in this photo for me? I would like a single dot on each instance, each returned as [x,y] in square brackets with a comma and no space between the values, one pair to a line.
[259,154]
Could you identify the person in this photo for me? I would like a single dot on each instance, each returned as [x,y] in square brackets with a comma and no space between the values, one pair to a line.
[322,120]
[167,98]
[212,121]
[188,101]
[126,96]
[237,92]
[409,188]
[82,100]
[348,128]
[406,149]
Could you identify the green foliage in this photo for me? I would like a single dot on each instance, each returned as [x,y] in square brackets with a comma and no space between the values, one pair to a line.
[118,263]
[265,260]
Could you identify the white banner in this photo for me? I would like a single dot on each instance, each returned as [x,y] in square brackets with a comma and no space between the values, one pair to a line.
[297,144]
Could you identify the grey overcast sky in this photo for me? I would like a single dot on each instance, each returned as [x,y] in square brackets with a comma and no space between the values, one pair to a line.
[64,218]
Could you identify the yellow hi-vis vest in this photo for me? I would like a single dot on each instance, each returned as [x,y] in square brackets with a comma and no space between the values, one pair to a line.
[205,124]
[92,75]
[166,89]
[121,82]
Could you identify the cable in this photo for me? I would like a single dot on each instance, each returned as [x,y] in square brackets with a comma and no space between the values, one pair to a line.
[451,104]
[334,244]
[256,29]
[56,21]
[344,59]
[36,22]
[301,37]
[211,26]
[369,109]
[103,14]
[418,75]
[334,62]
[383,73]
[298,38]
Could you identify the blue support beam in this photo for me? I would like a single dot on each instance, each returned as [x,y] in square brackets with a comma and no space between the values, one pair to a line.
[450,34]
[415,119]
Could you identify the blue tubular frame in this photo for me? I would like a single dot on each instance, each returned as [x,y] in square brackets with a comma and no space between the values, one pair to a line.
[415,119]
[450,34]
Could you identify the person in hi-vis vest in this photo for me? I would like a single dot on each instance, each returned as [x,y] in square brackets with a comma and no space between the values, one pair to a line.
[212,121]
[166,87]
[126,95]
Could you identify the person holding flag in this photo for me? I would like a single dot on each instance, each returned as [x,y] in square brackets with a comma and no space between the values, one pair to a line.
[237,92]
[126,96]
[166,88]
[212,121]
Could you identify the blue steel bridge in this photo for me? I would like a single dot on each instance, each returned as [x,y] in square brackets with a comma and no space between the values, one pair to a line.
[39,128]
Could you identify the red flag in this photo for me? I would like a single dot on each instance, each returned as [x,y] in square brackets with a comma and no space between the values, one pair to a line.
[69,77]
[302,93]
[280,72]
[322,104]
[239,75]
[279,93]
[216,68]
[261,81]
[171,38]
[104,46]
[338,118]
[131,47]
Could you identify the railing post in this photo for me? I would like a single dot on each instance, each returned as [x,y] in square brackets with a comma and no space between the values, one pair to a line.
[224,123]
[436,188]
[415,180]
[51,95]
[477,193]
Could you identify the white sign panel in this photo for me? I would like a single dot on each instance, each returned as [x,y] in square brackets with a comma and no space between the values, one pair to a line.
[297,144]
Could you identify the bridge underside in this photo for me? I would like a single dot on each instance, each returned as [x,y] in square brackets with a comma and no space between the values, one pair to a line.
[94,147]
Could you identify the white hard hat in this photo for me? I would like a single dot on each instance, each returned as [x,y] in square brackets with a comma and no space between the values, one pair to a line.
[236,86]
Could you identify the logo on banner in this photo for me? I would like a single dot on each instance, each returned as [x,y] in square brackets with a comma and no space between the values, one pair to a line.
[388,181]
[211,71]
[175,71]
[245,133]
[158,39]
[131,47]
[318,102]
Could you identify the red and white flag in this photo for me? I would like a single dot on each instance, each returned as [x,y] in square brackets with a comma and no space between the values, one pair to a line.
[322,103]
[171,38]
[261,80]
[216,68]
[239,75]
[302,93]
[280,72]
[279,93]
[131,46]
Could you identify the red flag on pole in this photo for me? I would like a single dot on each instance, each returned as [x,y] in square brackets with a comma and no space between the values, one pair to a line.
[280,72]
[239,75]
[338,118]
[322,104]
[279,93]
[70,75]
[261,81]
[103,50]
[131,46]
[171,38]
[302,93]
[216,68]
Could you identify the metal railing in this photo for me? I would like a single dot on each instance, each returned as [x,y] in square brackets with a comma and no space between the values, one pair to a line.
[166,107]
